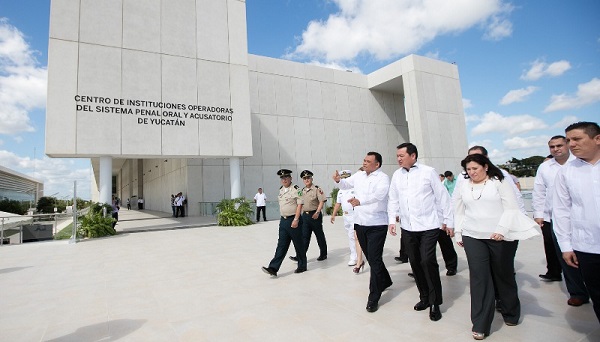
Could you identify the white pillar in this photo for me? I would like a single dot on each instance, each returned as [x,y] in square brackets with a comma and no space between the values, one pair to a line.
[105,186]
[234,177]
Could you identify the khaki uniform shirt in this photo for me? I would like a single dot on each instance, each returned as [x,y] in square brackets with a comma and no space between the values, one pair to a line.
[289,198]
[312,197]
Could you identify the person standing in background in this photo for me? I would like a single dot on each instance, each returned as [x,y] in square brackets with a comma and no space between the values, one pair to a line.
[261,204]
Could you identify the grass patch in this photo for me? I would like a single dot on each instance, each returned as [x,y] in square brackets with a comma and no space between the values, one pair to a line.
[64,233]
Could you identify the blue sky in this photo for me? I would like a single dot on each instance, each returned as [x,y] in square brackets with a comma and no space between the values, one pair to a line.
[527,68]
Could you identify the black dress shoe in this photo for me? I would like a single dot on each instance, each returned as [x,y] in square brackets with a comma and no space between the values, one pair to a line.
[434,313]
[300,270]
[420,306]
[322,257]
[372,306]
[451,273]
[400,260]
[293,258]
[270,271]
[546,277]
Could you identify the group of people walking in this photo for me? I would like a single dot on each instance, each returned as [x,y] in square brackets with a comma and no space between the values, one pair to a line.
[481,208]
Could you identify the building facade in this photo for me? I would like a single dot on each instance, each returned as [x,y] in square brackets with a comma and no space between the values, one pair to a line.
[164,96]
[19,187]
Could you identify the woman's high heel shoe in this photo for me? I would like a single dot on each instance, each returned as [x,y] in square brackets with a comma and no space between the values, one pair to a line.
[358,268]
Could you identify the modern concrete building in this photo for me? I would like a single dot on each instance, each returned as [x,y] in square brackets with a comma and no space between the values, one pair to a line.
[19,187]
[164,97]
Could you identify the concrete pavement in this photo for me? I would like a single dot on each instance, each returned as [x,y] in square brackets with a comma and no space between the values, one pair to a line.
[205,284]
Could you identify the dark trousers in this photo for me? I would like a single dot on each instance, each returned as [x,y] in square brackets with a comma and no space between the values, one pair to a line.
[288,234]
[403,254]
[448,251]
[372,240]
[180,209]
[491,263]
[174,208]
[552,262]
[589,264]
[264,212]
[421,248]
[573,276]
[310,225]
[115,215]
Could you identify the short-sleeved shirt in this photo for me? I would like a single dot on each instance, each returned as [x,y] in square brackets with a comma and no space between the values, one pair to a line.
[289,199]
[261,199]
[312,197]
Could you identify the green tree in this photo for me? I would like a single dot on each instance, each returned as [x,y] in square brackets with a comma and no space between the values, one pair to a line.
[46,205]
[13,206]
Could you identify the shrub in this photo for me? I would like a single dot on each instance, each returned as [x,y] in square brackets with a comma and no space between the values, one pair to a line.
[329,209]
[94,224]
[234,212]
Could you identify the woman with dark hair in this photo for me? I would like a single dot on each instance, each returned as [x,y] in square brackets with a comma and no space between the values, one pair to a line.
[488,224]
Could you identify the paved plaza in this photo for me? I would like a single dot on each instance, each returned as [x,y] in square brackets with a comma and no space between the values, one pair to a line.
[205,284]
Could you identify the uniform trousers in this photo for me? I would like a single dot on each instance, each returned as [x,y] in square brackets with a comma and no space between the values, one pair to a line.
[349,226]
[448,251]
[372,240]
[288,234]
[552,262]
[589,264]
[421,249]
[310,225]
[492,264]
[573,277]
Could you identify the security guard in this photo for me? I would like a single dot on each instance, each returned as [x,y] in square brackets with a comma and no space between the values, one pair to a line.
[290,207]
[312,219]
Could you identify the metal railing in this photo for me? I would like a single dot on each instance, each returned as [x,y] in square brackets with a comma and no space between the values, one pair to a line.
[18,229]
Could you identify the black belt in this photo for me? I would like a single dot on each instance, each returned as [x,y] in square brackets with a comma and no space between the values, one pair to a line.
[309,212]
[287,217]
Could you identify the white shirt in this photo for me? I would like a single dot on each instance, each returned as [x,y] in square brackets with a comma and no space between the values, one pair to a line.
[520,203]
[371,190]
[490,207]
[261,199]
[576,207]
[417,195]
[544,186]
[342,198]
[179,200]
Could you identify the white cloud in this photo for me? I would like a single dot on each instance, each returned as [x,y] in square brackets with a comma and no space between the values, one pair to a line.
[389,28]
[511,125]
[57,174]
[587,93]
[498,29]
[564,122]
[540,69]
[467,103]
[521,143]
[517,95]
[22,81]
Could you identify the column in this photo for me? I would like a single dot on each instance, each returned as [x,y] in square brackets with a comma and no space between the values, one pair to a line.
[105,185]
[234,177]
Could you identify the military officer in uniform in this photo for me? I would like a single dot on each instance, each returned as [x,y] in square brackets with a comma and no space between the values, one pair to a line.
[312,218]
[290,223]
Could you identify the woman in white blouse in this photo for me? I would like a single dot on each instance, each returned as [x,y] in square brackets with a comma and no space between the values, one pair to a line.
[488,225]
